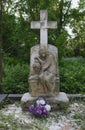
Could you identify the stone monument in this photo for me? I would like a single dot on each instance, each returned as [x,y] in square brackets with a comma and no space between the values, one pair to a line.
[44,73]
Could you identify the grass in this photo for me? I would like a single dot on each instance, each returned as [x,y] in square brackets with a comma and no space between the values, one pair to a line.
[7,122]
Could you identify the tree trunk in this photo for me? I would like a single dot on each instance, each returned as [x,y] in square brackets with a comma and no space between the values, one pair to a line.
[0,45]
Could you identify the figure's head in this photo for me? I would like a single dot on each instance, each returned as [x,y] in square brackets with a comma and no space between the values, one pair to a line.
[43,52]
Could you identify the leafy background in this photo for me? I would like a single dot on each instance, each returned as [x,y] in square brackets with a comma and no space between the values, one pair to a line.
[18,38]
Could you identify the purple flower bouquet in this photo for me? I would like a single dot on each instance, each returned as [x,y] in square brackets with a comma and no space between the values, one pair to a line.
[40,108]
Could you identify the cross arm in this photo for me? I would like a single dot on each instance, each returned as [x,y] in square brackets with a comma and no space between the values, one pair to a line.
[52,25]
[35,25]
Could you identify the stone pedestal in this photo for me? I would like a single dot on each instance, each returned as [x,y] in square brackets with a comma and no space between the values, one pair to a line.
[56,102]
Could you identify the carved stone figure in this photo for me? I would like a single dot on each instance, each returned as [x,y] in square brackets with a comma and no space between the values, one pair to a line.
[44,76]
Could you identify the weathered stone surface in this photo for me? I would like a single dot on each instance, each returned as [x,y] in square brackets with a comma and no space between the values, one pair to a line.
[26,101]
[27,97]
[44,75]
[61,98]
[43,25]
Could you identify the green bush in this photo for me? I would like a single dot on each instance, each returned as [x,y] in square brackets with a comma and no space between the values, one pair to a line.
[72,75]
[15,78]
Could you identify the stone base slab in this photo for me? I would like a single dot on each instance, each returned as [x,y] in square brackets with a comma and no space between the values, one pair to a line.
[56,102]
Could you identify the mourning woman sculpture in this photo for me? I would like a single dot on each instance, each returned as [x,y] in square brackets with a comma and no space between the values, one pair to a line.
[43,78]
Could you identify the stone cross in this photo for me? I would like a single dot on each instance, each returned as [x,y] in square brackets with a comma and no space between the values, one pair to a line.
[43,25]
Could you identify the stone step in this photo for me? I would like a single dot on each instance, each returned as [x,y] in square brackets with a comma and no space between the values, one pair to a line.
[76,95]
[15,96]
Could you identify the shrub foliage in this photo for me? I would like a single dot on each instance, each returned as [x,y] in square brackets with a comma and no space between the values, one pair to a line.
[15,78]
[72,75]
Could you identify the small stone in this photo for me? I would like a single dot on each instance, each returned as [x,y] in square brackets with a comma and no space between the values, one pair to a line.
[26,97]
[62,97]
[76,104]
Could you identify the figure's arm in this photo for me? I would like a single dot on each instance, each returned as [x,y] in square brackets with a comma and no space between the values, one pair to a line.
[37,59]
[48,63]
[33,77]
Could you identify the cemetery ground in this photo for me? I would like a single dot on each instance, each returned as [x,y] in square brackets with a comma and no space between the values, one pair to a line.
[67,118]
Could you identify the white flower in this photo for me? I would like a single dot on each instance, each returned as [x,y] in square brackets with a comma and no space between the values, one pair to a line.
[40,102]
[48,107]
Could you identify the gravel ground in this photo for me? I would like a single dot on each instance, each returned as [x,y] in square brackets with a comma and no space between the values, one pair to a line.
[13,118]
